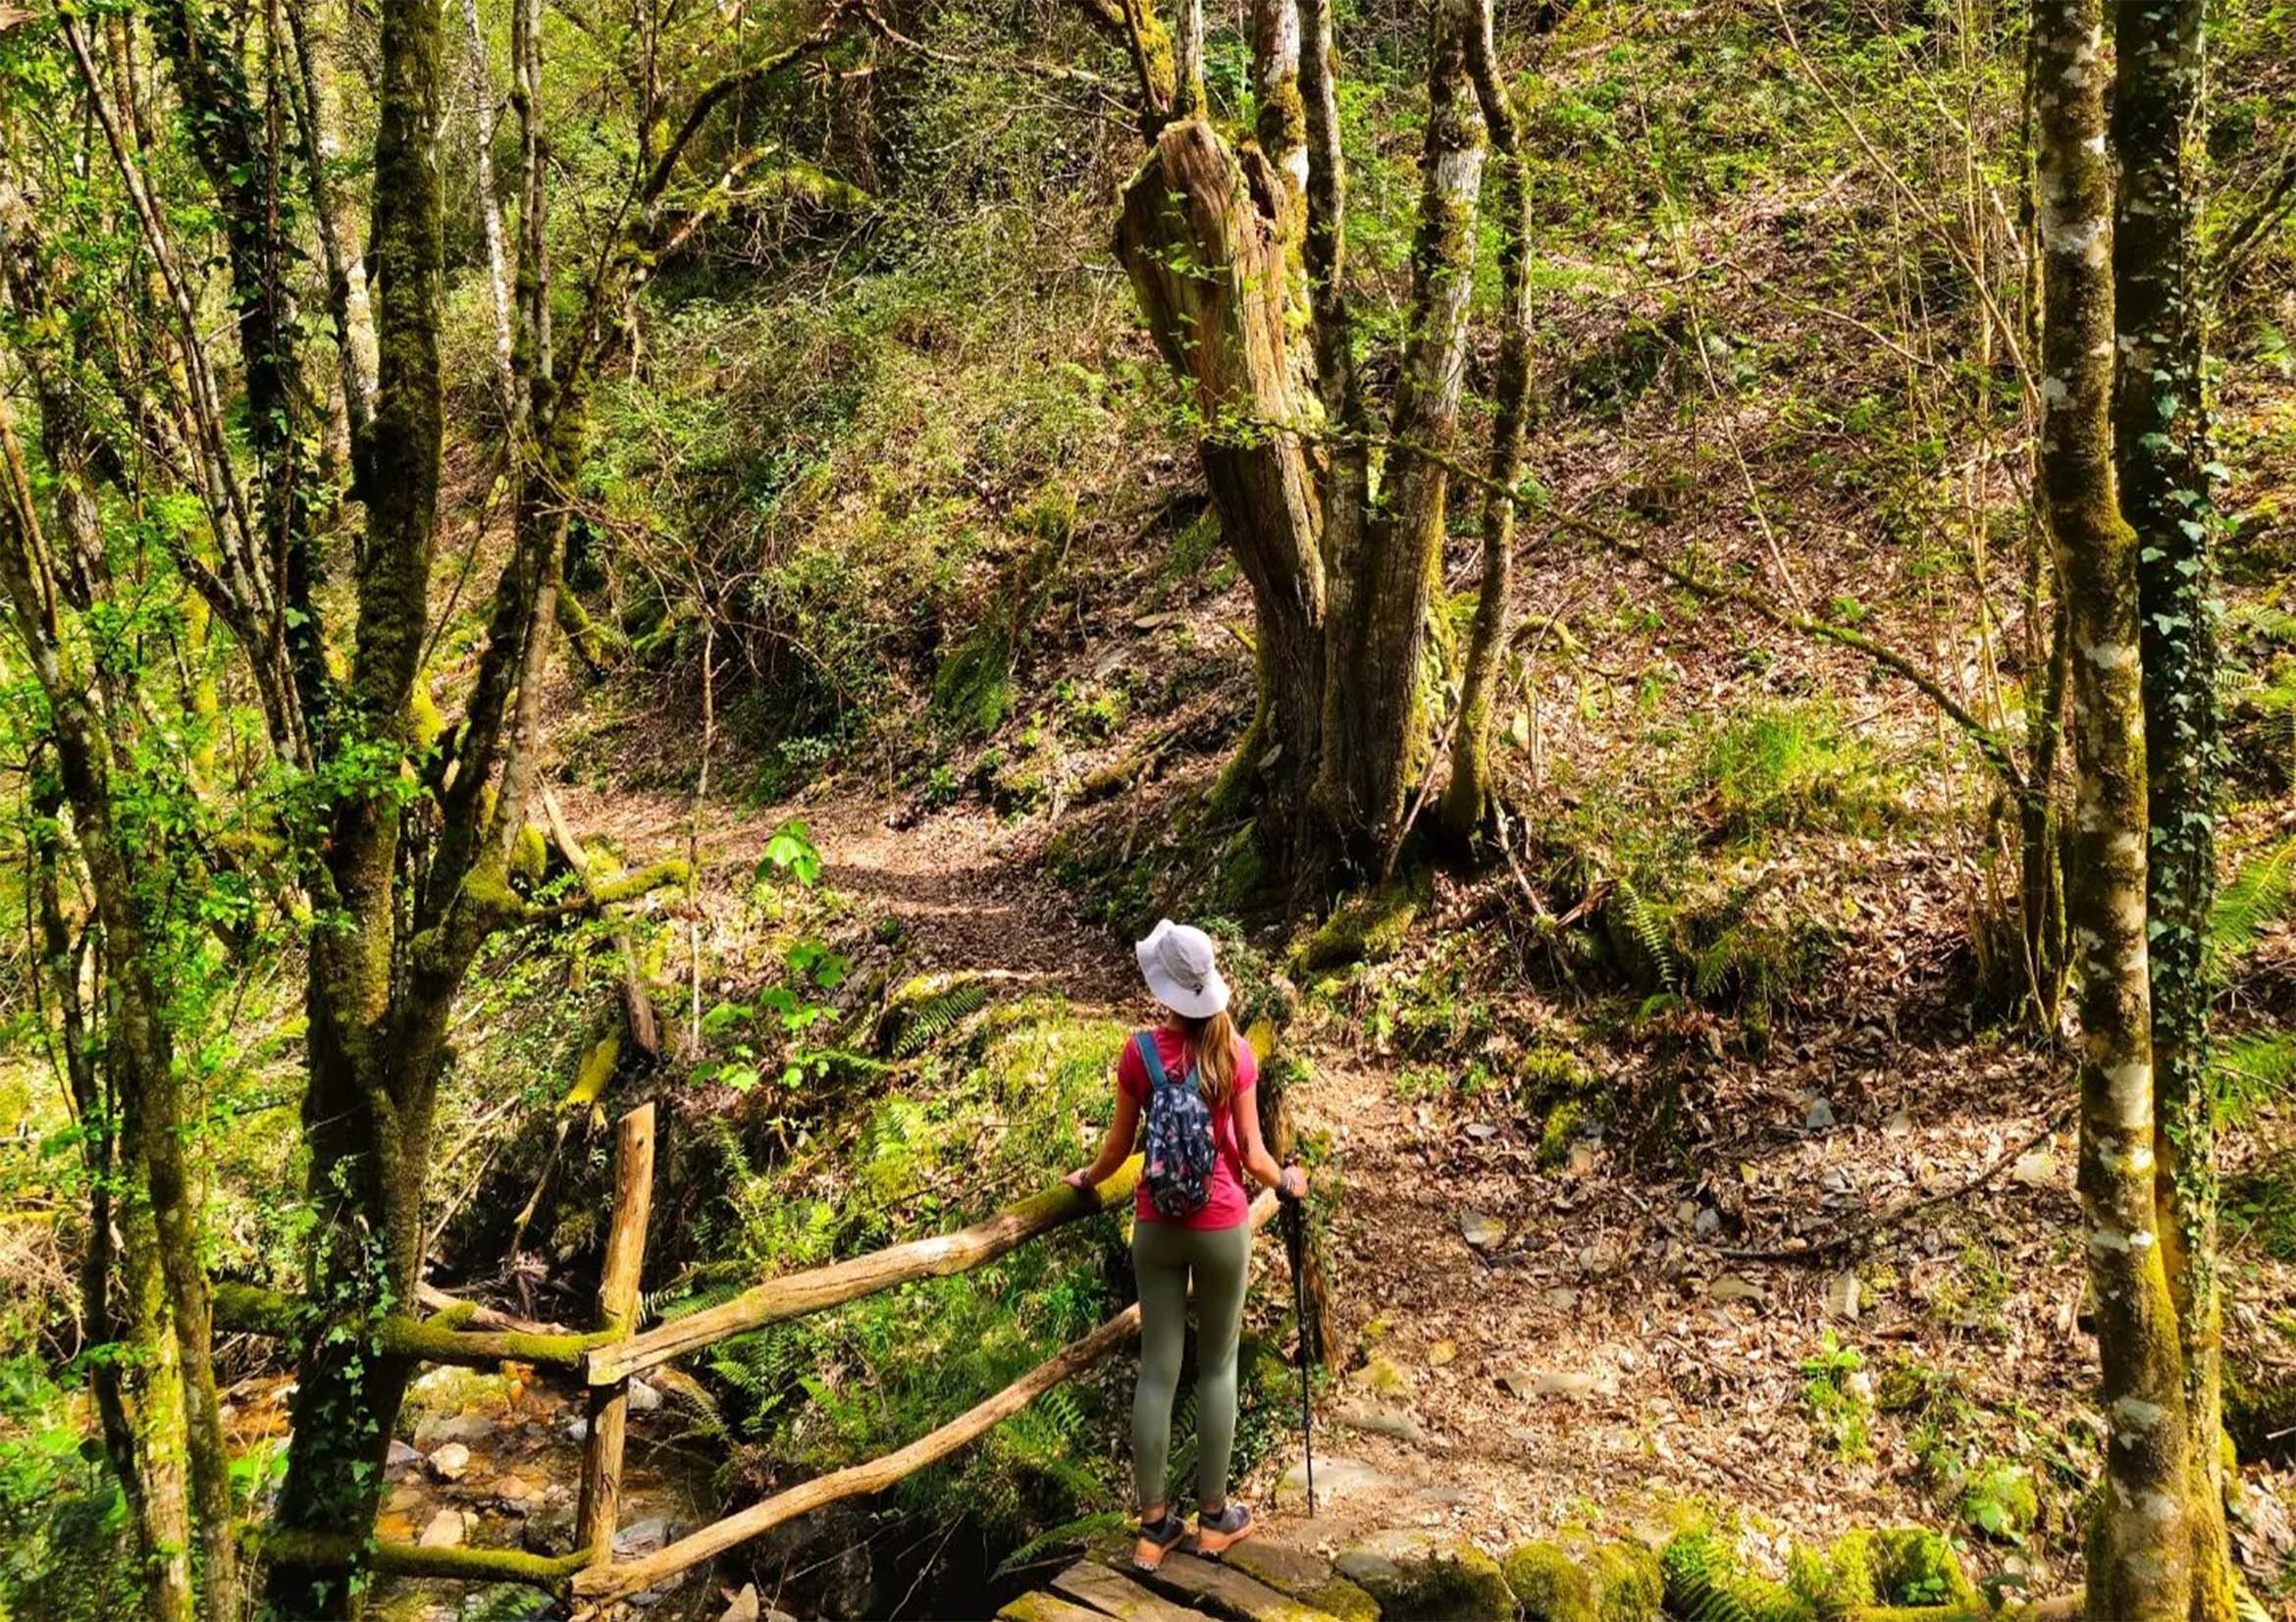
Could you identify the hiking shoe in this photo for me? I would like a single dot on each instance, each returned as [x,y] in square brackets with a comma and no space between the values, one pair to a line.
[1156,1540]
[1216,1534]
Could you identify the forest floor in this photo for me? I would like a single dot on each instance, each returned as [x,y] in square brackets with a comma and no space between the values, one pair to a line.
[1857,1302]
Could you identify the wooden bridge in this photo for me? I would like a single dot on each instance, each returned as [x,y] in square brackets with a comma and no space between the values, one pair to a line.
[606,1360]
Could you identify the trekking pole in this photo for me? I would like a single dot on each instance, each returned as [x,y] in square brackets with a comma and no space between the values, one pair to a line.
[1295,1250]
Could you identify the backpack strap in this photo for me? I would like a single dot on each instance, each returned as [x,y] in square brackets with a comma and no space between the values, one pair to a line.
[1145,1042]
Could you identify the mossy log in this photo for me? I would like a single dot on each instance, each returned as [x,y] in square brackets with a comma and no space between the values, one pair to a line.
[821,1287]
[249,1309]
[552,1572]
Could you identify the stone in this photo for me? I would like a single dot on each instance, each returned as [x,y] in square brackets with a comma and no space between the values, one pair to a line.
[1572,1578]
[2036,1170]
[450,1462]
[1418,1576]
[1304,1574]
[1577,1385]
[454,1428]
[1442,1353]
[1820,1117]
[642,1536]
[512,1488]
[1338,1480]
[1479,1231]
[744,1606]
[1899,1125]
[549,1527]
[445,1530]
[1843,1295]
[1731,1287]
[643,1398]
[1381,1420]
[401,1456]
[1706,1223]
[1479,1132]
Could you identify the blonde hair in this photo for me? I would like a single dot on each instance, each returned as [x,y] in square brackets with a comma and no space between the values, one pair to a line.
[1211,1049]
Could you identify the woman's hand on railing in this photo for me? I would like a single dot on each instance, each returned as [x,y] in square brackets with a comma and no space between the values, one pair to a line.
[1080,1177]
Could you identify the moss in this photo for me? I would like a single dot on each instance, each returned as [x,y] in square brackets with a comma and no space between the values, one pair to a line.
[1560,1131]
[1629,1587]
[529,854]
[1550,1586]
[1418,1577]
[2001,1502]
[1365,927]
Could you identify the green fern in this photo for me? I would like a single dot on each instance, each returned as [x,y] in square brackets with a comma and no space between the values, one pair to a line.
[2259,894]
[1079,1533]
[1646,926]
[2253,1068]
[925,1010]
[1705,1584]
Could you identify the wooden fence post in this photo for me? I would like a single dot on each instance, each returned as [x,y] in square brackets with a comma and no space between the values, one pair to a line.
[617,1305]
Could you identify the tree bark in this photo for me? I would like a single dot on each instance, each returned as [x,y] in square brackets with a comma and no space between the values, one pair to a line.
[2161,455]
[1375,733]
[1202,238]
[1467,793]
[2140,1564]
[373,1072]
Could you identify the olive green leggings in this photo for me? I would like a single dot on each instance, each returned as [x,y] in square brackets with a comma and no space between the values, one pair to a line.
[1164,1257]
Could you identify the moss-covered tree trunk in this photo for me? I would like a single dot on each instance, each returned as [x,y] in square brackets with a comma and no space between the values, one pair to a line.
[1467,793]
[2140,1564]
[164,1302]
[1376,738]
[1202,238]
[367,1111]
[2161,451]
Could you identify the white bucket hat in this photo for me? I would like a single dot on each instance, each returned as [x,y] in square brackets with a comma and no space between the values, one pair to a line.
[1175,960]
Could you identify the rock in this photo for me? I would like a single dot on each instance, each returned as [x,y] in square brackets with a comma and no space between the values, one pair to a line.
[401,1456]
[1441,1352]
[2037,1170]
[1899,1125]
[643,1398]
[1570,1578]
[1577,1386]
[1820,1117]
[1479,1231]
[1381,1420]
[1706,1223]
[445,1530]
[1562,1297]
[1428,1577]
[1843,1295]
[515,1489]
[549,1527]
[1304,1574]
[1583,1159]
[404,1498]
[642,1536]
[577,1428]
[1479,1132]
[450,1462]
[454,1428]
[1338,1480]
[744,1606]
[1731,1287]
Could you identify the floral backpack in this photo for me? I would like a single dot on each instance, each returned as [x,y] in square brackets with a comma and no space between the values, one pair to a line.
[1177,1146]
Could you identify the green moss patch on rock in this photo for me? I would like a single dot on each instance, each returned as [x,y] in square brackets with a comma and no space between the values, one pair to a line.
[1428,1577]
[1306,1577]
[1575,1576]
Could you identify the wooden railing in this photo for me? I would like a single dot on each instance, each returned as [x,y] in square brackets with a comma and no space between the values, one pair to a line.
[608,1359]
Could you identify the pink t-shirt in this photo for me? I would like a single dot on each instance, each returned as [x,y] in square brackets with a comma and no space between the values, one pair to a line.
[1226,1203]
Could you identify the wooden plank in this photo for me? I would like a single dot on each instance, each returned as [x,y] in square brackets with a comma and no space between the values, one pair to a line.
[821,1287]
[1111,1594]
[618,1308]
[1226,1593]
[611,1581]
[1043,1607]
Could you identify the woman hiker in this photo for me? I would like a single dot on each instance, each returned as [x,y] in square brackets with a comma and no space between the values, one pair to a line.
[1191,1077]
